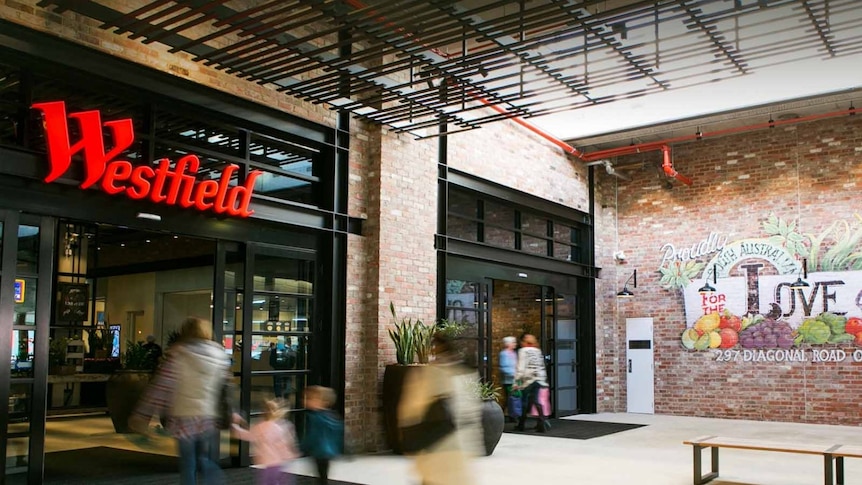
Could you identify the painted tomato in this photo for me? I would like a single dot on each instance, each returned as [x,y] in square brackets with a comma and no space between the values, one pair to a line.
[729,320]
[853,325]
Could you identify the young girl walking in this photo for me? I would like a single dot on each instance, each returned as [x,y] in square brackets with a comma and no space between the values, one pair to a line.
[273,443]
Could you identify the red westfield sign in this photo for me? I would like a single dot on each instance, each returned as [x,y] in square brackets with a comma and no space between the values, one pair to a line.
[162,184]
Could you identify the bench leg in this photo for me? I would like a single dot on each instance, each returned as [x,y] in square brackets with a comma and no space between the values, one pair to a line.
[839,470]
[827,469]
[699,477]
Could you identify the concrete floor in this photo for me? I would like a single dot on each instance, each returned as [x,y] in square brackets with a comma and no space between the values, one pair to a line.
[651,455]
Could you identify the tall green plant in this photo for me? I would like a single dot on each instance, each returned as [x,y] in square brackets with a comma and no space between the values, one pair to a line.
[402,336]
[422,341]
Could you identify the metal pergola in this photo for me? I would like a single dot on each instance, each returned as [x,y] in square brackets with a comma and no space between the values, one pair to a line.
[411,65]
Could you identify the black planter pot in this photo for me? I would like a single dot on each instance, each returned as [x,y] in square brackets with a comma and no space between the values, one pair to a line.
[493,422]
[394,378]
[122,392]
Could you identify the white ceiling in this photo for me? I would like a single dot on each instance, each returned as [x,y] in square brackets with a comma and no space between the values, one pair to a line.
[775,84]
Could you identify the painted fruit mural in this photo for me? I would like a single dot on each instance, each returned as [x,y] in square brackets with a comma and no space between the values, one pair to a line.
[725,330]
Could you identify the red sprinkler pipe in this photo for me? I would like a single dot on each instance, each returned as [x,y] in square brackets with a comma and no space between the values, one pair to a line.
[667,166]
[663,145]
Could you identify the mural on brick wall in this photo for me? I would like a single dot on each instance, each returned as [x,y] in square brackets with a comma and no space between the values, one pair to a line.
[758,312]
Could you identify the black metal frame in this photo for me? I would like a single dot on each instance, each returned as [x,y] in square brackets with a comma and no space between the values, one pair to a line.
[41,329]
[453,58]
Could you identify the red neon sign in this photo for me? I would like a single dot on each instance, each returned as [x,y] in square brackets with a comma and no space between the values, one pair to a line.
[161,184]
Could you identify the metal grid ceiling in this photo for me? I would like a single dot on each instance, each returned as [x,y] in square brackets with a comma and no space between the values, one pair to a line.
[411,64]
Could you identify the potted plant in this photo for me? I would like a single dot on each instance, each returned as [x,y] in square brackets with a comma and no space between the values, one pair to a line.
[57,364]
[493,420]
[127,385]
[412,339]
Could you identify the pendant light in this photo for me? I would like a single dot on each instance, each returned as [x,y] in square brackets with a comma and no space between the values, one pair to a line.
[626,293]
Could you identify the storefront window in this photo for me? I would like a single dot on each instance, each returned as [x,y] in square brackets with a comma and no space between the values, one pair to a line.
[496,222]
[10,100]
[22,353]
[286,186]
[28,249]
[462,303]
[534,245]
[197,135]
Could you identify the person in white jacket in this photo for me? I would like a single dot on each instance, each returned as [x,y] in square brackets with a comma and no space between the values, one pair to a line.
[530,376]
[185,391]
[273,442]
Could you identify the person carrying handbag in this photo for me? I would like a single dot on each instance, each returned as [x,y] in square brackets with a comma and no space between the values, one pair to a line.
[530,377]
[442,386]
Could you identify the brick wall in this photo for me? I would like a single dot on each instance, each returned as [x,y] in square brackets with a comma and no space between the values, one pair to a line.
[511,155]
[807,173]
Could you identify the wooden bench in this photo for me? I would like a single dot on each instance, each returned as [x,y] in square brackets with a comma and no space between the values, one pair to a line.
[844,451]
[830,453]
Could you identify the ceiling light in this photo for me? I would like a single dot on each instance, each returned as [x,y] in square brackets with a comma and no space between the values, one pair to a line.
[149,216]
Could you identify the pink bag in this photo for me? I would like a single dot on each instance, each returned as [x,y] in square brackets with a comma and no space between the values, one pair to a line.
[544,400]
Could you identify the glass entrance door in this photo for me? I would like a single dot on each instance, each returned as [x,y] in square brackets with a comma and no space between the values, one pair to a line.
[270,322]
[26,266]
[469,303]
[563,317]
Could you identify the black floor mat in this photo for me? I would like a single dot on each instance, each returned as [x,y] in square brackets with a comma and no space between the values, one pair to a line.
[574,429]
[112,466]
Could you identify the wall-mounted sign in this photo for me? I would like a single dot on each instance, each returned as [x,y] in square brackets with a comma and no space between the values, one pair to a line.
[20,286]
[163,184]
[758,312]
[72,304]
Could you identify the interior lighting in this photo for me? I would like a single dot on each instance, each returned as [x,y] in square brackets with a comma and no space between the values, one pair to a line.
[707,289]
[149,216]
[626,293]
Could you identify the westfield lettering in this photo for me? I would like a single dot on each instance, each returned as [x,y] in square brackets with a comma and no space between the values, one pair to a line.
[161,184]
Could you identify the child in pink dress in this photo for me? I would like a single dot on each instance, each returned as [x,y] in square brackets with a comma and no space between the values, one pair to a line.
[273,442]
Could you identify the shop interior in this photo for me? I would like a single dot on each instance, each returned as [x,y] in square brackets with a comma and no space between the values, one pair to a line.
[115,287]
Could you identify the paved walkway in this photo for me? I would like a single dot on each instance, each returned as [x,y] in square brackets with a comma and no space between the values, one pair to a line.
[651,455]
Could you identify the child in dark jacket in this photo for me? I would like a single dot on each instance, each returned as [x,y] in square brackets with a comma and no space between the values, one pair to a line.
[324,430]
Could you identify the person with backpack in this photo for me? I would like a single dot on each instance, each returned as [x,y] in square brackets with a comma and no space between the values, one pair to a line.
[324,430]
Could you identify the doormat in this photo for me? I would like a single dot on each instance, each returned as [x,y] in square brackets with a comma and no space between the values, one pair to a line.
[103,465]
[573,429]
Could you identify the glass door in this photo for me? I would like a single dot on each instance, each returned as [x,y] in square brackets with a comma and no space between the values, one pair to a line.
[271,327]
[565,356]
[469,303]
[26,265]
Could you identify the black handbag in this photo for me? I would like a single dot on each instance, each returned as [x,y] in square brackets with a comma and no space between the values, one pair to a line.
[437,423]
